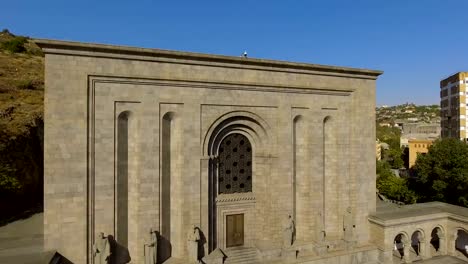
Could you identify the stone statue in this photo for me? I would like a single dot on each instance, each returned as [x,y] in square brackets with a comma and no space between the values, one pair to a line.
[320,227]
[348,225]
[151,249]
[289,230]
[101,249]
[193,238]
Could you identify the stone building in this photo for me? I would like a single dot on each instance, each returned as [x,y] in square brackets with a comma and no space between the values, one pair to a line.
[270,161]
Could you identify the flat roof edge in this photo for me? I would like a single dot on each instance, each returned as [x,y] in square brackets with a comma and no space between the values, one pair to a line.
[52,46]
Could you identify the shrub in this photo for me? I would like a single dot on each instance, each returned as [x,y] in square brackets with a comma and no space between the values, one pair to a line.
[26,85]
[15,45]
[8,183]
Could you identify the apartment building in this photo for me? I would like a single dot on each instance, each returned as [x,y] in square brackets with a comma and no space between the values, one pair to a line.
[453,104]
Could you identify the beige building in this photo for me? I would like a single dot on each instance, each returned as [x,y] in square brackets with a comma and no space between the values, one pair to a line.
[418,147]
[228,159]
[453,104]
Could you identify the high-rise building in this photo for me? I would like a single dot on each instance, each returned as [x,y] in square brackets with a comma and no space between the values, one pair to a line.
[453,104]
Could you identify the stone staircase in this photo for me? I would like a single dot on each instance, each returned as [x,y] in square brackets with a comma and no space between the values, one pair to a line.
[242,255]
[175,261]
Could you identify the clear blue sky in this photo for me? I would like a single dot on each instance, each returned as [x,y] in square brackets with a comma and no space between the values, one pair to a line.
[416,42]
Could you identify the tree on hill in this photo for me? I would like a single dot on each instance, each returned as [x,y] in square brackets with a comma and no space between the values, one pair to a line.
[442,174]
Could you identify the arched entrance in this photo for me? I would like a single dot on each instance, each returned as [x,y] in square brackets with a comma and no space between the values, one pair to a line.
[233,145]
[417,246]
[401,250]
[231,174]
[437,241]
[461,243]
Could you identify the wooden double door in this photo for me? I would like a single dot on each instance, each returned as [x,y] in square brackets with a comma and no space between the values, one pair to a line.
[235,230]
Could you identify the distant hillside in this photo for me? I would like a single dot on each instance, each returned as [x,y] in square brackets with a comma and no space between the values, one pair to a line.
[407,112]
[21,126]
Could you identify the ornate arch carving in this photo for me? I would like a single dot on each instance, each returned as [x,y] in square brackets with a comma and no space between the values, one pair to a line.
[246,123]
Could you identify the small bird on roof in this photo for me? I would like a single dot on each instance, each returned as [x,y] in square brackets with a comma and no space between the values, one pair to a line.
[244,54]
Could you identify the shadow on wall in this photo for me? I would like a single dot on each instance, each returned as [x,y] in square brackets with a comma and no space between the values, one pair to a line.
[119,253]
[165,249]
[201,243]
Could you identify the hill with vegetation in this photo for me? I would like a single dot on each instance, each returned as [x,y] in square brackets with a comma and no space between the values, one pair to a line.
[21,126]
[407,112]
[389,120]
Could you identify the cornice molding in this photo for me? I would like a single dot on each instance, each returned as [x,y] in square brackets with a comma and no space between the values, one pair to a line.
[146,54]
[235,197]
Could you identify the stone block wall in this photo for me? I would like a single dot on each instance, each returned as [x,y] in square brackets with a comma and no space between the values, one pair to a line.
[311,129]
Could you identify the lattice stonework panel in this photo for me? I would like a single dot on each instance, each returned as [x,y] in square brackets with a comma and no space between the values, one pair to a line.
[235,165]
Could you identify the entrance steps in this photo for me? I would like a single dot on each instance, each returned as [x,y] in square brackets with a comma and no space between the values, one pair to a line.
[242,255]
[175,261]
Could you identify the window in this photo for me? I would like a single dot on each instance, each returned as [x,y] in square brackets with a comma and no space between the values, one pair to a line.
[235,165]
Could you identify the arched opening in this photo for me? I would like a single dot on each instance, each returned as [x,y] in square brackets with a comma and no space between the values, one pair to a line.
[232,144]
[121,219]
[230,172]
[400,248]
[461,243]
[294,175]
[417,245]
[435,243]
[300,188]
[328,155]
[167,186]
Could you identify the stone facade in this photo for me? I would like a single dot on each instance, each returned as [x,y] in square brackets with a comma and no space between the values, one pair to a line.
[134,141]
[154,118]
[140,139]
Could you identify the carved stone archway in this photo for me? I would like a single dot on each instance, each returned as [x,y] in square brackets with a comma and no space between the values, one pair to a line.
[232,144]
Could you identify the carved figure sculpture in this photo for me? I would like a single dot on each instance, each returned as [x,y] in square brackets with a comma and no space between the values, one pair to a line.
[193,240]
[151,249]
[101,249]
[288,236]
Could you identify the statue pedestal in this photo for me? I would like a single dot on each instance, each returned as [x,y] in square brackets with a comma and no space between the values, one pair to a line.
[289,253]
[321,249]
[350,244]
[215,257]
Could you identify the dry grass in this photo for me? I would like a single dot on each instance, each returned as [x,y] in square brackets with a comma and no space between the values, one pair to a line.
[21,91]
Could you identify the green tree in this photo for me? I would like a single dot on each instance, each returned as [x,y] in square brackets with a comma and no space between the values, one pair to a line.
[389,135]
[442,174]
[393,187]
[394,158]
[8,182]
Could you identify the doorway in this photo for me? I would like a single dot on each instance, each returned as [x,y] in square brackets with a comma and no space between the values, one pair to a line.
[235,230]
